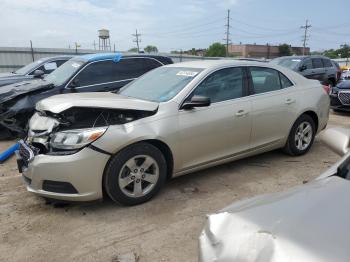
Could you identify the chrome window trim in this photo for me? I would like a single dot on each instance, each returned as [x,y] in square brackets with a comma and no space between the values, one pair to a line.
[89,63]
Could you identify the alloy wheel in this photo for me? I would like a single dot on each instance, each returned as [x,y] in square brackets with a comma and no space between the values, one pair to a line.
[303,136]
[138,176]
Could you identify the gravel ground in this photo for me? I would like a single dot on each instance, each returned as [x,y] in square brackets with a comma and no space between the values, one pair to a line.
[164,229]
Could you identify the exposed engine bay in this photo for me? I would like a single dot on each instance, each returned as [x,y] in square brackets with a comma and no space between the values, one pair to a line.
[44,124]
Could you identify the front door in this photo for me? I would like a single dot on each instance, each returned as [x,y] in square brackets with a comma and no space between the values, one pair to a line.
[222,129]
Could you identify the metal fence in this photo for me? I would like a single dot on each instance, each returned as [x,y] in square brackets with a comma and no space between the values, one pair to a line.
[12,58]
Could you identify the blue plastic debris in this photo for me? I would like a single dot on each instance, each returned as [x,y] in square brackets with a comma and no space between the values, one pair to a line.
[9,152]
[102,56]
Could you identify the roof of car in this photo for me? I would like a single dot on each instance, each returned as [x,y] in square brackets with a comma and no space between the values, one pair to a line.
[117,56]
[217,63]
[301,57]
[56,57]
[102,56]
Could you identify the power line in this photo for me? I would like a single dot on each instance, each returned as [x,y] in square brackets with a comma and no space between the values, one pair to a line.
[306,37]
[227,39]
[137,40]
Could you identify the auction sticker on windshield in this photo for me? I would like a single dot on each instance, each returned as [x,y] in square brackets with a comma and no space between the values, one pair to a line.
[187,73]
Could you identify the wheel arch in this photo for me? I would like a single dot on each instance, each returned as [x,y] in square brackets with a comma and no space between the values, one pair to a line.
[162,146]
[314,117]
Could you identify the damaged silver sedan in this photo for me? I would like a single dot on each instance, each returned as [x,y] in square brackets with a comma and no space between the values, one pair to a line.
[172,121]
[306,223]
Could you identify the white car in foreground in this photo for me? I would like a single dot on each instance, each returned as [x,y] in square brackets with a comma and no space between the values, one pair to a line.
[308,223]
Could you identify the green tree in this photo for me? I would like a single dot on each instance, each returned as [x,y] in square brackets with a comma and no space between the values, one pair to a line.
[151,49]
[342,52]
[284,50]
[133,50]
[216,50]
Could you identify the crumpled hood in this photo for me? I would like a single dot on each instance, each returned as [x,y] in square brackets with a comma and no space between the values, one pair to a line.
[60,103]
[306,223]
[11,91]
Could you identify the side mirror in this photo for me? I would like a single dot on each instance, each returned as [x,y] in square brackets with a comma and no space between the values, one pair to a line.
[302,68]
[38,73]
[196,101]
[337,139]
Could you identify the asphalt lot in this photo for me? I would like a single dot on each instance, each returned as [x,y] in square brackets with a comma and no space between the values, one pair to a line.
[164,229]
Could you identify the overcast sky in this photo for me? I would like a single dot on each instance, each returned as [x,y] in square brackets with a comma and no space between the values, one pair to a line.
[172,25]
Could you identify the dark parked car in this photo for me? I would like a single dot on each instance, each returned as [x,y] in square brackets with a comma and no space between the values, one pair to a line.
[314,67]
[87,73]
[37,69]
[340,96]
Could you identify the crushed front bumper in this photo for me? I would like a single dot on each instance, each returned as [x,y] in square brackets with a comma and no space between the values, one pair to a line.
[75,177]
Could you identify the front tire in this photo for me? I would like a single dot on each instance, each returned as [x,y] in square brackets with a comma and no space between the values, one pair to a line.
[301,136]
[135,174]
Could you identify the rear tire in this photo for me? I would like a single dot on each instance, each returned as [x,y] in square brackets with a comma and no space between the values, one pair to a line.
[301,136]
[135,174]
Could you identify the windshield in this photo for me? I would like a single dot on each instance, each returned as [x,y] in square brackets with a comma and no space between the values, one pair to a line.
[28,68]
[290,63]
[64,72]
[160,84]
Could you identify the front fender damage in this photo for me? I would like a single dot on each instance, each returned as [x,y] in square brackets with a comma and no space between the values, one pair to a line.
[43,124]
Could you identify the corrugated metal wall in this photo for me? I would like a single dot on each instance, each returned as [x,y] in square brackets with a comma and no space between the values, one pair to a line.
[12,58]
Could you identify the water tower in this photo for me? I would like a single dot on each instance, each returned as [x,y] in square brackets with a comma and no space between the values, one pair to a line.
[104,41]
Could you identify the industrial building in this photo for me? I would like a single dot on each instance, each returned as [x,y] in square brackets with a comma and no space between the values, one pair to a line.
[262,51]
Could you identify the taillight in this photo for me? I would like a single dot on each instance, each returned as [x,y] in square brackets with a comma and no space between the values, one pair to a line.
[327,89]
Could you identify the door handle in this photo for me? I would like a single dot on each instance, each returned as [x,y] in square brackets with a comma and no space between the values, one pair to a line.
[241,113]
[289,101]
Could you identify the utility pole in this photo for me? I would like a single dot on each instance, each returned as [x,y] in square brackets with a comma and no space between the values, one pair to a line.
[137,40]
[305,38]
[227,39]
[32,50]
[94,44]
[76,47]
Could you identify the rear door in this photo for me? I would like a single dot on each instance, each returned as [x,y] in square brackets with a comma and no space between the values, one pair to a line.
[318,70]
[330,69]
[274,103]
[222,129]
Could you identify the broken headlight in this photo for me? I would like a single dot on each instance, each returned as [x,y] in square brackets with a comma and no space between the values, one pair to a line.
[76,139]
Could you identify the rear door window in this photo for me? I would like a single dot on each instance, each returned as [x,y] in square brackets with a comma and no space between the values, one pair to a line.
[265,79]
[317,63]
[285,82]
[308,63]
[327,63]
